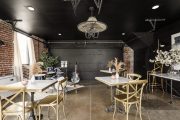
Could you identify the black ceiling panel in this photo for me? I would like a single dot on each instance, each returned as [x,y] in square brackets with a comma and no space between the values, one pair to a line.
[56,16]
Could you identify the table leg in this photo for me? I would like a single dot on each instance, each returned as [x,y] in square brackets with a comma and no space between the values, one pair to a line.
[112,106]
[166,85]
[171,93]
[32,116]
[149,83]
[112,94]
[75,88]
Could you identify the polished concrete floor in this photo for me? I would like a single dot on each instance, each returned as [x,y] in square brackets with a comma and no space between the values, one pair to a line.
[90,103]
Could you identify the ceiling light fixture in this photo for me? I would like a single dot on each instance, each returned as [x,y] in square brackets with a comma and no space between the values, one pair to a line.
[30,8]
[123,34]
[153,23]
[92,27]
[155,7]
[59,34]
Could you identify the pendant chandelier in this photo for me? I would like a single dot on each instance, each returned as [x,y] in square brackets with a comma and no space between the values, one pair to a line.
[92,27]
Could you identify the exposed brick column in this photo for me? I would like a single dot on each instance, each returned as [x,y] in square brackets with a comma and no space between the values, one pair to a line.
[7,51]
[128,55]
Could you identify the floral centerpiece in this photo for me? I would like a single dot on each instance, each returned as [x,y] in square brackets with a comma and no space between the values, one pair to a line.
[118,65]
[168,58]
[35,69]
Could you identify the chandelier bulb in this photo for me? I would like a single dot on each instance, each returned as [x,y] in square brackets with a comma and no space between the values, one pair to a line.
[92,10]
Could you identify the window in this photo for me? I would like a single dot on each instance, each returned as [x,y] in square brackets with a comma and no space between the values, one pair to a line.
[23,47]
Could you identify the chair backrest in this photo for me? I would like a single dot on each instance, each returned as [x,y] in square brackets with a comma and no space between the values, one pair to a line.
[133,76]
[134,89]
[158,67]
[61,84]
[6,101]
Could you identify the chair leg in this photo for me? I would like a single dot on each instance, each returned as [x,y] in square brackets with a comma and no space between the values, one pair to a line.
[55,111]
[140,111]
[114,109]
[64,109]
[127,112]
[162,85]
[35,113]
[4,117]
[125,107]
[137,110]
[153,83]
[137,107]
[39,111]
[48,111]
[21,118]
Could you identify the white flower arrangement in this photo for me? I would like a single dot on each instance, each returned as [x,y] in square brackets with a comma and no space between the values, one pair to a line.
[167,58]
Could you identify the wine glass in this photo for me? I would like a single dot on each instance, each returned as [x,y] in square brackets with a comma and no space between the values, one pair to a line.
[24,81]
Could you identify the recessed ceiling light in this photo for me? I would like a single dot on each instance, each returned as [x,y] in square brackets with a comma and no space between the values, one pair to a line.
[155,7]
[59,34]
[30,8]
[123,33]
[161,45]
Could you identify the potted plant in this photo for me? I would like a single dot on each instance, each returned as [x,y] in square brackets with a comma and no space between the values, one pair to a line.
[49,62]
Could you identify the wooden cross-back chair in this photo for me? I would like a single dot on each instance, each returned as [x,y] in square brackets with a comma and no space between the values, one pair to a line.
[54,100]
[10,106]
[158,68]
[128,98]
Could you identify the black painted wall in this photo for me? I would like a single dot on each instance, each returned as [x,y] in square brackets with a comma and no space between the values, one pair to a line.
[90,61]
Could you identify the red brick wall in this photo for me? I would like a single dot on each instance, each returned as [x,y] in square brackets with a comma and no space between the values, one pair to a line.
[38,47]
[128,55]
[7,51]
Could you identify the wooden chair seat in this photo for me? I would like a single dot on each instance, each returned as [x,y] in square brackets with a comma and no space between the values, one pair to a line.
[121,90]
[51,99]
[14,108]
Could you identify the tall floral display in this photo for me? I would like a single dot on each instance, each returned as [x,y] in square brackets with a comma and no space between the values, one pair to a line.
[168,58]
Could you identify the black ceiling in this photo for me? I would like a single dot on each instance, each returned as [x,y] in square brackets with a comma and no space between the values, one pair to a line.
[56,16]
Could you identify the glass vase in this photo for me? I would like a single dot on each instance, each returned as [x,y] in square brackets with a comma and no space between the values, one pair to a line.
[109,69]
[117,75]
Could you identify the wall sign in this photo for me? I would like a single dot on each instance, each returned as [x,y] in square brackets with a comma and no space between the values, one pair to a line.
[175,41]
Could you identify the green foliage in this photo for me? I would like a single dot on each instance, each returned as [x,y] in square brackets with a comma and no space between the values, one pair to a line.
[48,61]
